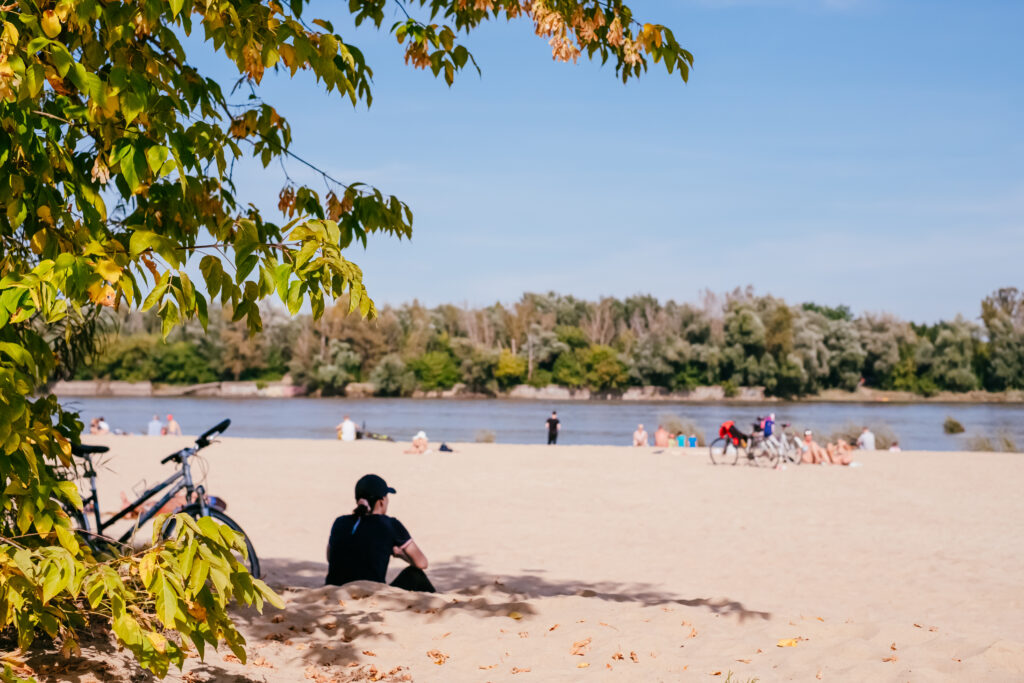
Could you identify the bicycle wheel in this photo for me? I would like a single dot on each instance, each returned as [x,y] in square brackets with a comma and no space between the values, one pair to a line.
[195,512]
[722,452]
[758,455]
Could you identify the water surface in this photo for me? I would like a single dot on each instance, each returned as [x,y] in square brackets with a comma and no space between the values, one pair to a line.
[918,426]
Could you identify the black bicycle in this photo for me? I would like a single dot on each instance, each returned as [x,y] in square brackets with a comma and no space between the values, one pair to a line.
[197,502]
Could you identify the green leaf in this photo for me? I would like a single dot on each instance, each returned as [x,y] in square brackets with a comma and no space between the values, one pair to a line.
[176,6]
[131,106]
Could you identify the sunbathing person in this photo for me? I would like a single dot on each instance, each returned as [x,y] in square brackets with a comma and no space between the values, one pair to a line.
[362,544]
[839,453]
[420,446]
[813,452]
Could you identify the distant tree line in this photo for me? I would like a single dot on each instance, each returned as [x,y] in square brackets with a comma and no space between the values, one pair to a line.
[733,340]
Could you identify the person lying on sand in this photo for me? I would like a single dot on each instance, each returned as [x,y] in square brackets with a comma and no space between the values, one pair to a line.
[419,444]
[362,544]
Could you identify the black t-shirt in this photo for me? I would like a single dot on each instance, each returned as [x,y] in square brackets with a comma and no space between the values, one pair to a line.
[552,425]
[358,552]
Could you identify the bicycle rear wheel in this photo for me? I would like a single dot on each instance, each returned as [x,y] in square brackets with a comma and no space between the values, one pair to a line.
[723,452]
[195,512]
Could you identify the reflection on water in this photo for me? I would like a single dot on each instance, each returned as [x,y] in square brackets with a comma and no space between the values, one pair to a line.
[918,426]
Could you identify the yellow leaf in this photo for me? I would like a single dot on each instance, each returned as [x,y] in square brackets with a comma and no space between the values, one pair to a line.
[515,615]
[197,611]
[102,294]
[51,24]
[159,642]
[582,665]
[108,270]
[787,642]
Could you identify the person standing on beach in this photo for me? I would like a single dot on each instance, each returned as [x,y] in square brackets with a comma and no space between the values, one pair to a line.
[640,436]
[866,440]
[362,544]
[553,426]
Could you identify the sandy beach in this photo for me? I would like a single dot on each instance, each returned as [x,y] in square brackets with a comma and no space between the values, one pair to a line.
[574,563]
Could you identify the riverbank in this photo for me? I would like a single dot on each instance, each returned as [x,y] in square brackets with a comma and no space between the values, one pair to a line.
[558,563]
[712,394]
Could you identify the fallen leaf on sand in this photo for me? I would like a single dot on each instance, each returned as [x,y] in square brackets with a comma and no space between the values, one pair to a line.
[715,673]
[582,665]
[330,627]
[260,661]
[524,634]
[820,619]
[957,659]
[489,666]
[438,657]
[759,651]
[301,646]
[369,653]
[608,666]
[632,655]
[890,659]
[554,627]
[443,636]
[515,615]
[918,626]
[580,647]
[517,670]
[278,618]
[933,629]
[693,633]
[745,661]
[788,642]
[618,655]
[819,674]
[231,658]
[893,646]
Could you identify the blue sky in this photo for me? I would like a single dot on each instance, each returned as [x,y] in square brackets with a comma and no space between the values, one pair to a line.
[865,152]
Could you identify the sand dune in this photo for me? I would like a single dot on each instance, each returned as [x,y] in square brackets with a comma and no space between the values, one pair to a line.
[650,565]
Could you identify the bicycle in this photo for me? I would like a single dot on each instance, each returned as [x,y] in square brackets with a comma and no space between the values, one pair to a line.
[753,449]
[197,503]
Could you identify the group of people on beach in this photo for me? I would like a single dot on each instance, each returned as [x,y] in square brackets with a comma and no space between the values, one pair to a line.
[99,425]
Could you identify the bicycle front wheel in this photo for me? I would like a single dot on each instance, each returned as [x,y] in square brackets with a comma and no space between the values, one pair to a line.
[723,452]
[195,512]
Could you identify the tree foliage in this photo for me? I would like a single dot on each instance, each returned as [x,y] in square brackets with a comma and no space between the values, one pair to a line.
[116,158]
[742,340]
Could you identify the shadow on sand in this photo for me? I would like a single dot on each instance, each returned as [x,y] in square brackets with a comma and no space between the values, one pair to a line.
[463,576]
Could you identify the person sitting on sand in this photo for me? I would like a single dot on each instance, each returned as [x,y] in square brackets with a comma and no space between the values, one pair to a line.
[661,437]
[362,544]
[102,427]
[420,446]
[640,436]
[94,426]
[173,428]
[840,452]
[813,452]
[346,429]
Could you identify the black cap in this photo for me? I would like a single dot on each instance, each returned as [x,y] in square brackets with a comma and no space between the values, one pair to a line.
[372,487]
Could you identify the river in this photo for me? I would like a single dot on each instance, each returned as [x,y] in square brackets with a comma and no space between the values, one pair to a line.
[918,426]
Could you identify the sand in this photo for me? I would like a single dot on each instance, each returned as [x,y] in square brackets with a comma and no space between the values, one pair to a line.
[573,563]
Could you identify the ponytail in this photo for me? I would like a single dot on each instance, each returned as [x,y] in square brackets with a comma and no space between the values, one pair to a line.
[363,507]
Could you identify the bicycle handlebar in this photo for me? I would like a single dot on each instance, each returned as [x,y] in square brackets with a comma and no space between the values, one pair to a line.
[202,442]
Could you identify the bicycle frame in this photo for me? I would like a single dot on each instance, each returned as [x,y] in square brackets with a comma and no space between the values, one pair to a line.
[181,479]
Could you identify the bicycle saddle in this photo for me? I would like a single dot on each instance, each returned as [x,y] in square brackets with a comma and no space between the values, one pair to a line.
[86,449]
